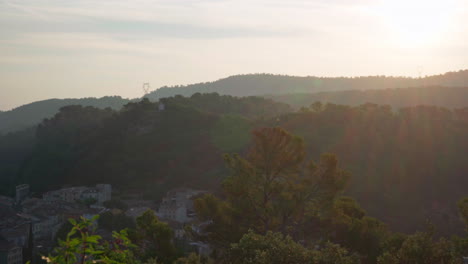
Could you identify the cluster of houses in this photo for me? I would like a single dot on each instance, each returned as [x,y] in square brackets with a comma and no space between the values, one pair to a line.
[29,225]
[178,211]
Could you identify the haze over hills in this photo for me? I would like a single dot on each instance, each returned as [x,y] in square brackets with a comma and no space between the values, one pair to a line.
[450,97]
[31,114]
[297,91]
[263,84]
[407,166]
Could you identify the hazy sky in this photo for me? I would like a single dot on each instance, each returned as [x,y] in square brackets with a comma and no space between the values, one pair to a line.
[81,48]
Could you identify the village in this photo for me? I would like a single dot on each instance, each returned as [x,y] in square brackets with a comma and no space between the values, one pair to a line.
[29,224]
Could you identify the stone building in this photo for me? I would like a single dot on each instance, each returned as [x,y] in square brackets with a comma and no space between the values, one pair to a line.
[10,253]
[22,191]
[178,205]
[101,193]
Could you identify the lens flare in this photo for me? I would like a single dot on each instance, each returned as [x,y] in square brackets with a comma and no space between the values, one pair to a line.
[418,22]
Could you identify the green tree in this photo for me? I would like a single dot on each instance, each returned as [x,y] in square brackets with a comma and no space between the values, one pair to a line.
[115,203]
[272,189]
[119,221]
[193,258]
[274,248]
[82,245]
[348,225]
[463,208]
[154,238]
[270,248]
[421,248]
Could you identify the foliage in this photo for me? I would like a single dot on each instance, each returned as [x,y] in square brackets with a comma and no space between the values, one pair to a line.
[276,248]
[88,201]
[142,148]
[347,224]
[270,190]
[115,203]
[118,221]
[193,258]
[298,87]
[154,238]
[83,246]
[445,96]
[29,115]
[63,231]
[421,248]
[230,133]
[271,248]
[384,151]
[463,208]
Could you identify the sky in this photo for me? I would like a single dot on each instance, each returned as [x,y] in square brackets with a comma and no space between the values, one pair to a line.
[83,48]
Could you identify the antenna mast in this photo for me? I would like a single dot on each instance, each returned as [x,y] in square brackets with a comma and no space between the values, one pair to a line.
[146,88]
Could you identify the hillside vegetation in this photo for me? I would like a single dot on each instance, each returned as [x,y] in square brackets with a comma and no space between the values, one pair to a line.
[268,84]
[450,97]
[31,114]
[296,91]
[407,166]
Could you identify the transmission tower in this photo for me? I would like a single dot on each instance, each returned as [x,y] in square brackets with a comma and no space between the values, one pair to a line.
[146,88]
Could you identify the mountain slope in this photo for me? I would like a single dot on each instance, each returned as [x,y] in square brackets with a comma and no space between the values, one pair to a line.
[31,114]
[407,166]
[450,97]
[263,84]
[259,85]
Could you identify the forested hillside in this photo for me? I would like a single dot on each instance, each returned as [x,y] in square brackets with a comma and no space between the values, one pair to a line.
[139,144]
[407,166]
[450,97]
[31,114]
[268,84]
[296,91]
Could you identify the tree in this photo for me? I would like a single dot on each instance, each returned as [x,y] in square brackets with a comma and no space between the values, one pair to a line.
[88,201]
[193,258]
[119,221]
[463,208]
[82,245]
[316,106]
[270,248]
[348,225]
[273,248]
[272,189]
[421,248]
[154,238]
[115,203]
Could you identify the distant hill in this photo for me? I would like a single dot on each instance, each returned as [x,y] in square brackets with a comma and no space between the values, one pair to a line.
[31,114]
[135,145]
[264,84]
[408,166]
[450,97]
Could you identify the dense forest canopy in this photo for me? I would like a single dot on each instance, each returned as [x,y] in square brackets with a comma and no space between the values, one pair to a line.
[296,91]
[269,84]
[449,97]
[274,206]
[31,114]
[407,165]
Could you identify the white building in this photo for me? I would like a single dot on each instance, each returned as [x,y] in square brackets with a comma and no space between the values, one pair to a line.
[161,106]
[178,205]
[70,195]
[104,192]
[101,193]
[10,253]
[6,201]
[22,191]
[45,227]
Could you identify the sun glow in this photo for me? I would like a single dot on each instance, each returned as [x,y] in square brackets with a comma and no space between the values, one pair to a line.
[418,22]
